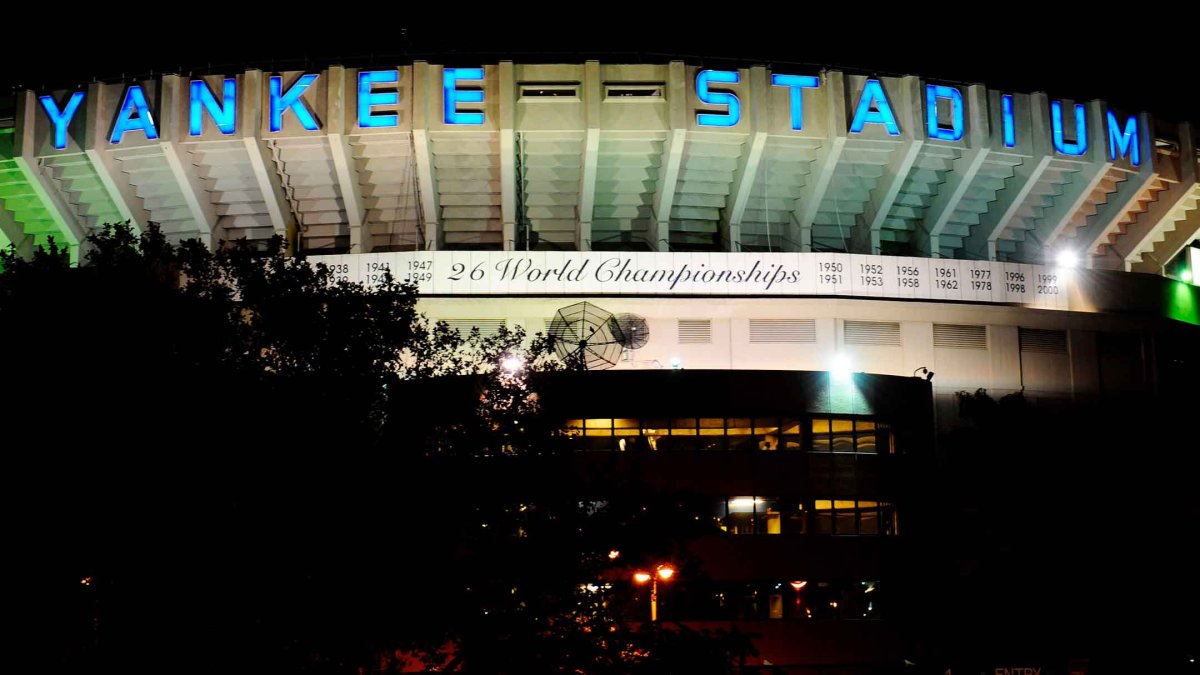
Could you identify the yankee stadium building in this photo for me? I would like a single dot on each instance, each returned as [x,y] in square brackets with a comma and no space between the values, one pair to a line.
[801,252]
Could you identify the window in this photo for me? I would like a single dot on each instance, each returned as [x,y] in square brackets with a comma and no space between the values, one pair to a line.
[760,515]
[851,435]
[550,90]
[853,517]
[739,434]
[633,90]
[767,434]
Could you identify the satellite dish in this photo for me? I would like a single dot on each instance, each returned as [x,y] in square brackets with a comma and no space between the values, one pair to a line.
[634,329]
[587,336]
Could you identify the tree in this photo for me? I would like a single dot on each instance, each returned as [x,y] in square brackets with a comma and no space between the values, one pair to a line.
[246,472]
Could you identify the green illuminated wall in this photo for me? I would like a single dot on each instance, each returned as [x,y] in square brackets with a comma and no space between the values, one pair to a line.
[27,217]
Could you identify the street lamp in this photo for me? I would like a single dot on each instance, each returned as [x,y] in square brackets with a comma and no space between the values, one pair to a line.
[664,572]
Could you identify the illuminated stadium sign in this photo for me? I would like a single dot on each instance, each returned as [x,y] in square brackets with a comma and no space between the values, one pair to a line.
[462,94]
[625,158]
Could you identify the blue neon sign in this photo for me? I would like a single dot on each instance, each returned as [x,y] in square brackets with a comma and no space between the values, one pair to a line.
[452,96]
[61,119]
[796,84]
[1122,142]
[224,114]
[873,94]
[281,103]
[932,94]
[367,98]
[1080,145]
[135,114]
[734,114]
[1008,121]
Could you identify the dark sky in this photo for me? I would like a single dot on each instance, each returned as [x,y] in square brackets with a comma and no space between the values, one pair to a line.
[1138,63]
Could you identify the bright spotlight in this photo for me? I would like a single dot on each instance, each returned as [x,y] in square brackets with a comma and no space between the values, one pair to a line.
[840,369]
[1186,276]
[1067,259]
[512,363]
[676,363]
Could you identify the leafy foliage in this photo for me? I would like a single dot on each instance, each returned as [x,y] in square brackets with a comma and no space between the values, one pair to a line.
[248,460]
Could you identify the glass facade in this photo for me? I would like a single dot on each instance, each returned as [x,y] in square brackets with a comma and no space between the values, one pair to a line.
[772,515]
[769,434]
[853,517]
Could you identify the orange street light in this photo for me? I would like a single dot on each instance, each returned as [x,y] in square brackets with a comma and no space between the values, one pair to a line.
[664,572]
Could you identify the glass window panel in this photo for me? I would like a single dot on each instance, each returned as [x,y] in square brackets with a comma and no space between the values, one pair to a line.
[866,443]
[776,604]
[740,433]
[740,425]
[741,442]
[573,428]
[741,504]
[683,426]
[868,521]
[678,443]
[599,442]
[864,425]
[843,443]
[821,444]
[791,438]
[793,519]
[766,432]
[597,424]
[820,426]
[766,425]
[888,514]
[712,426]
[740,523]
[823,516]
[626,427]
[655,425]
[769,518]
[720,513]
[844,522]
[841,426]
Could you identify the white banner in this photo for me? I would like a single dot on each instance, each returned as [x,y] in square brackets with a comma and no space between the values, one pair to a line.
[720,274]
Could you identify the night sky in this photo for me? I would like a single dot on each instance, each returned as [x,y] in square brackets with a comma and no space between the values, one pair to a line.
[1138,63]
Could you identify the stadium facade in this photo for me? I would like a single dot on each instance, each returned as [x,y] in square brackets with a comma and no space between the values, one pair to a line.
[927,237]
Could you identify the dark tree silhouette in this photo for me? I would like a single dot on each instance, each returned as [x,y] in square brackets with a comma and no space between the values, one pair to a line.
[227,459]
